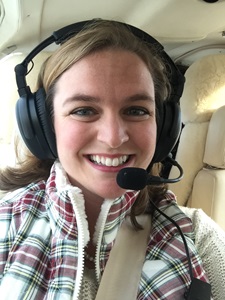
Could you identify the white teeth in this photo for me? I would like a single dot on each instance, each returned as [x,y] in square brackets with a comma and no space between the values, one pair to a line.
[109,162]
[98,159]
[115,162]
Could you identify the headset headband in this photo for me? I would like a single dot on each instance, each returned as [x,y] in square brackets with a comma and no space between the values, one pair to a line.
[59,36]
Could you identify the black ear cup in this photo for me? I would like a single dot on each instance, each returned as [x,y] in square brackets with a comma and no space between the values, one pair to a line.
[35,126]
[168,129]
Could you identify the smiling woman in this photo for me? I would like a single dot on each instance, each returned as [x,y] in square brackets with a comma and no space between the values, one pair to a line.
[103,103]
[107,126]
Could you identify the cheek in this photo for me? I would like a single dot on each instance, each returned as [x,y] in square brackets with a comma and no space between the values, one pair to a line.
[147,143]
[147,136]
[69,136]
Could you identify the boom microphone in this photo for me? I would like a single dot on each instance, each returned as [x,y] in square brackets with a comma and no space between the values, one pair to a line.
[137,178]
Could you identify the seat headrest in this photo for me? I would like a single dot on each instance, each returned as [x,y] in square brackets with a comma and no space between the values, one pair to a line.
[215,141]
[204,89]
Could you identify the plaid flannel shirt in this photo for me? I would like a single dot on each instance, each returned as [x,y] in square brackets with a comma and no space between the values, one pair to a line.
[43,232]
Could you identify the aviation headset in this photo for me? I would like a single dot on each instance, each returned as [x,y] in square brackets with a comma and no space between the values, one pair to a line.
[34,119]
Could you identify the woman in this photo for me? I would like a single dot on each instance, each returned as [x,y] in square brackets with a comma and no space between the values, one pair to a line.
[62,218]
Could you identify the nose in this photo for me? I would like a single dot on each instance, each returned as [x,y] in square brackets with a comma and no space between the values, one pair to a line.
[113,132]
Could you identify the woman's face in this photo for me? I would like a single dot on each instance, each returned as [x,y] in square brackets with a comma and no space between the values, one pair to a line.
[104,119]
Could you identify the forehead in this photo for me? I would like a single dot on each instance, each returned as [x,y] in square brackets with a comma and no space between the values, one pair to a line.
[116,63]
[108,74]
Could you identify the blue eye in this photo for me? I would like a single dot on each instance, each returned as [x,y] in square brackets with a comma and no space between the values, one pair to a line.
[84,111]
[137,111]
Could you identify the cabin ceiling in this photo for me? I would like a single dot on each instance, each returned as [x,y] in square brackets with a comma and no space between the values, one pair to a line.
[186,28]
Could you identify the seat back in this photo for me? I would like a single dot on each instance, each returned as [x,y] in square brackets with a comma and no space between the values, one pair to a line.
[209,185]
[204,93]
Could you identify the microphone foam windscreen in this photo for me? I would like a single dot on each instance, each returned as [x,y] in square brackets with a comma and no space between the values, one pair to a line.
[132,178]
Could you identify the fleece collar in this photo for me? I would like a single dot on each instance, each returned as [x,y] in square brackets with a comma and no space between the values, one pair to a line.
[66,203]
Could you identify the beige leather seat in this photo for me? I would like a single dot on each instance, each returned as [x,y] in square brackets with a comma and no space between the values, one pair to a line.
[201,150]
[209,185]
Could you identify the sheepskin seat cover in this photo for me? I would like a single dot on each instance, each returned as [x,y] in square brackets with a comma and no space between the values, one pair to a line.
[204,92]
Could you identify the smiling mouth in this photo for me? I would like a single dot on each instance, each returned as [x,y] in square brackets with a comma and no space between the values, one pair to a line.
[109,162]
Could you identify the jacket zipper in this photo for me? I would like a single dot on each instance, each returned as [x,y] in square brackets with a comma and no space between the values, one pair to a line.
[81,243]
[104,214]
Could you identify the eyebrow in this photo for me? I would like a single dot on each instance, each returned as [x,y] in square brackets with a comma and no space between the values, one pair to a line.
[140,97]
[80,97]
[88,98]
